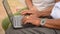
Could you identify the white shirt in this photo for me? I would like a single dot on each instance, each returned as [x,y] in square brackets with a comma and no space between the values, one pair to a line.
[43,4]
[56,11]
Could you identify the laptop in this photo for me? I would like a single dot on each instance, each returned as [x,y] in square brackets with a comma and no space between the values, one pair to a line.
[15,20]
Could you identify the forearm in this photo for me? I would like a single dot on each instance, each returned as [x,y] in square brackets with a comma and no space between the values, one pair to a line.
[46,12]
[29,3]
[53,23]
[57,0]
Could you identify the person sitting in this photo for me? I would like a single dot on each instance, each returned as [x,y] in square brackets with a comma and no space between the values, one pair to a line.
[38,8]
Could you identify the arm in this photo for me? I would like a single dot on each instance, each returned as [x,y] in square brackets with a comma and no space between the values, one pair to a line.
[53,23]
[50,23]
[57,0]
[29,3]
[42,13]
[46,12]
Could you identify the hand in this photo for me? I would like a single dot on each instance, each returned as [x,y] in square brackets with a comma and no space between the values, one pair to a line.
[31,19]
[33,8]
[31,12]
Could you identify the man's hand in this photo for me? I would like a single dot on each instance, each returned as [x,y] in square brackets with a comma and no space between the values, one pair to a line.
[31,12]
[31,19]
[33,8]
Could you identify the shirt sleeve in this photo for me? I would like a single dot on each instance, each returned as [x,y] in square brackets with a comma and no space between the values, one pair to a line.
[56,11]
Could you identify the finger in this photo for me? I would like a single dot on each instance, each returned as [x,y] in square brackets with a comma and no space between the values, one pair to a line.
[25,12]
[22,12]
[30,17]
[23,19]
[26,21]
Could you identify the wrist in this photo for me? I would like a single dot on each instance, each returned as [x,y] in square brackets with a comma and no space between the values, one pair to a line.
[40,13]
[43,13]
[37,23]
[43,22]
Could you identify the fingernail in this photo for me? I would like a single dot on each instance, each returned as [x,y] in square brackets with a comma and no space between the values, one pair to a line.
[27,16]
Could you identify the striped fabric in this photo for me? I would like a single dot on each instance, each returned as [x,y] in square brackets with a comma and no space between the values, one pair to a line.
[33,30]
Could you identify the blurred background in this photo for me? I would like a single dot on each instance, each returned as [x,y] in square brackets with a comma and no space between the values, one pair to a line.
[14,5]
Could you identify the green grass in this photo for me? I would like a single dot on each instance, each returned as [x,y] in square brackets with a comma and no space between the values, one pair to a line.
[5,23]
